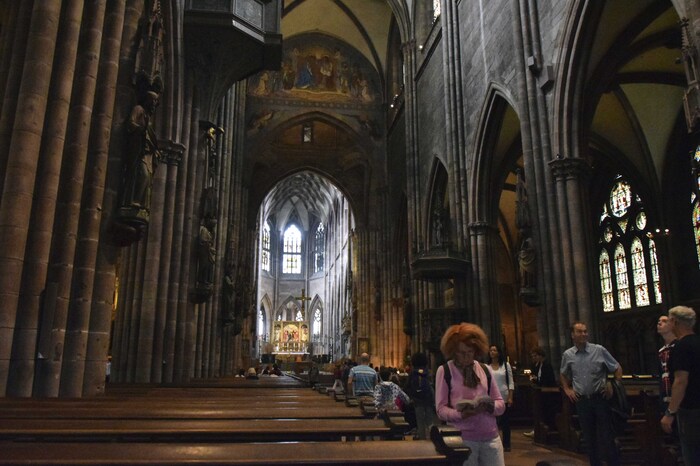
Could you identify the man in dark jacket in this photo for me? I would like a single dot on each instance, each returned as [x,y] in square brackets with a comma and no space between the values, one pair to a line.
[420,389]
[541,375]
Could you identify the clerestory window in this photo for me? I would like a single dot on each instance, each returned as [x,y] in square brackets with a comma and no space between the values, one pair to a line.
[291,258]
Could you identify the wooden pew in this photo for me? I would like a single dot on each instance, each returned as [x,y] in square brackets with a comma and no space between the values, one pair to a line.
[546,402]
[419,452]
[658,448]
[129,411]
[197,430]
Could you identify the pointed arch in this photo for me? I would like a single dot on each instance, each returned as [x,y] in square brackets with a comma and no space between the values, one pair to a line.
[491,151]
[437,204]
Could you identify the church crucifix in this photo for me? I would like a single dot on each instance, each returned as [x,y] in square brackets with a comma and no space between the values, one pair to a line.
[303,299]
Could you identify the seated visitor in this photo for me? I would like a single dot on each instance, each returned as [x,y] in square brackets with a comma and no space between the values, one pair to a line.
[387,395]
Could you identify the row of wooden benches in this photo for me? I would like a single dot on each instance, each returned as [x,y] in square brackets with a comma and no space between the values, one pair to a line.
[642,443]
[206,425]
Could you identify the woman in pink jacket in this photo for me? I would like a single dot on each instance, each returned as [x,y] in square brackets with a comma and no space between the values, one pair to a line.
[465,399]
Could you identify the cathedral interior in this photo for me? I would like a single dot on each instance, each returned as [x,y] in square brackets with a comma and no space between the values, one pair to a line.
[189,186]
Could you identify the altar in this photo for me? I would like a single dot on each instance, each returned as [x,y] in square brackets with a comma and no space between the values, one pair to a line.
[290,338]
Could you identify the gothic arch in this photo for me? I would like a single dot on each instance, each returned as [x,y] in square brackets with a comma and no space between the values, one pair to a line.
[436,229]
[348,169]
[490,154]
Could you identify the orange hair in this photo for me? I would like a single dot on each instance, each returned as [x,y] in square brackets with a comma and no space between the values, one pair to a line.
[469,334]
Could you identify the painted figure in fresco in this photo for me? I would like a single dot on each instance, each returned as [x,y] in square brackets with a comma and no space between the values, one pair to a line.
[305,79]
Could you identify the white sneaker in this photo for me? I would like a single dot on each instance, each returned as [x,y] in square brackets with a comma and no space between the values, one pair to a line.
[529,434]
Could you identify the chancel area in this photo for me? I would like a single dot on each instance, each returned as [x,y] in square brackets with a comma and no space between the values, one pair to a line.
[193,188]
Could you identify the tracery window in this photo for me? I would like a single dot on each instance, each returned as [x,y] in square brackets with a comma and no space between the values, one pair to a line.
[316,325]
[626,281]
[265,256]
[291,258]
[261,323]
[695,200]
[319,245]
[437,10]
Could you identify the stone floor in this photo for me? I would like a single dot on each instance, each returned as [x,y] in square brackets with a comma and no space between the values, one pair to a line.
[525,453]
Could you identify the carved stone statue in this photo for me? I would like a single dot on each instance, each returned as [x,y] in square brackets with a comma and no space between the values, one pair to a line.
[228,298]
[142,152]
[527,260]
[206,254]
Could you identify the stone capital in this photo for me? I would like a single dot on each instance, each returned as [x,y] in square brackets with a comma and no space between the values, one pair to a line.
[172,152]
[570,168]
[481,227]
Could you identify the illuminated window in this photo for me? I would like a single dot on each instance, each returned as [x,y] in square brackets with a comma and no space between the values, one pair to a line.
[641,291]
[319,244]
[437,10]
[316,326]
[291,259]
[261,323]
[626,280]
[695,200]
[265,256]
[696,227]
[606,282]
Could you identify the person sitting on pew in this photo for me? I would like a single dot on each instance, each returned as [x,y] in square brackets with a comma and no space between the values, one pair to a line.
[387,395]
[251,374]
[275,371]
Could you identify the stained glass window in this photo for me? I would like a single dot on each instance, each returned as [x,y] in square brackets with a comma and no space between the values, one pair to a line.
[696,227]
[654,263]
[316,326]
[627,280]
[623,288]
[606,282]
[620,198]
[437,10]
[265,256]
[261,323]
[639,273]
[291,259]
[319,244]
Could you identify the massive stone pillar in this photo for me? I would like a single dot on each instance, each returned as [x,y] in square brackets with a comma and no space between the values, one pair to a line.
[43,213]
[21,168]
[570,175]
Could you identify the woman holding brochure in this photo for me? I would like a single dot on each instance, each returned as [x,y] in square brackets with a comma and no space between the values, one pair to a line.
[467,396]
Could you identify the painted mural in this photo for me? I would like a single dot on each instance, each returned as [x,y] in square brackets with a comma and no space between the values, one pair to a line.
[321,69]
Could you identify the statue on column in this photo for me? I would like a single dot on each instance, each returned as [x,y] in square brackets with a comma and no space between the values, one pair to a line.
[527,253]
[206,258]
[228,297]
[141,160]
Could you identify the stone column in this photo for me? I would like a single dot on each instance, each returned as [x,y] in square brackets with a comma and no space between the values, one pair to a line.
[19,20]
[184,338]
[454,122]
[44,206]
[21,167]
[85,348]
[570,175]
[486,312]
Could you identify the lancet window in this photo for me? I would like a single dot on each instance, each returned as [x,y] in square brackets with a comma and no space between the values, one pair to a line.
[291,259]
[319,245]
[695,200]
[265,256]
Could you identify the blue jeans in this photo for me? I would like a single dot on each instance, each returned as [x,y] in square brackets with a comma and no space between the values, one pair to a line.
[594,417]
